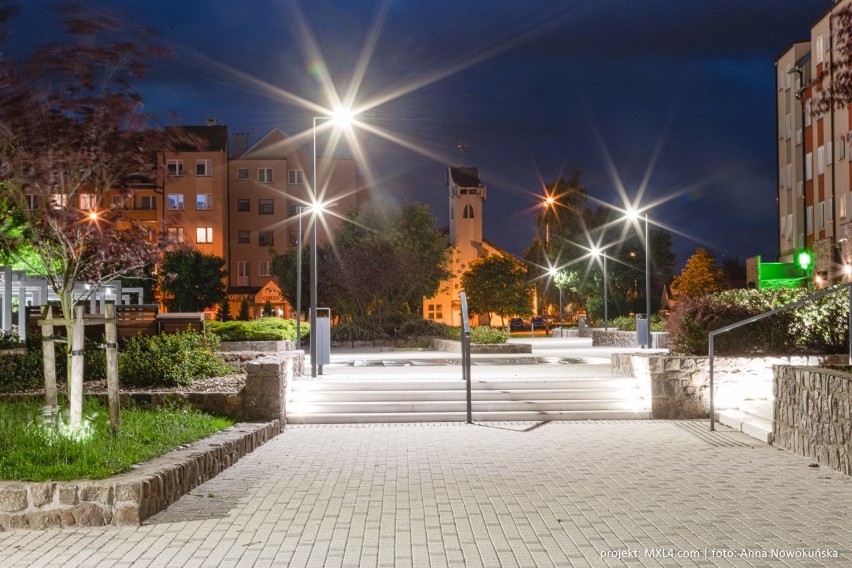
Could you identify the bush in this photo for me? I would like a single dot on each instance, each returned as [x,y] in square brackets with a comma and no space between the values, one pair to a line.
[415,328]
[361,330]
[9,341]
[26,372]
[628,323]
[170,360]
[264,329]
[818,326]
[487,335]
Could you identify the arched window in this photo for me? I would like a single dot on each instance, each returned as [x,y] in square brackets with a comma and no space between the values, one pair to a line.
[468,212]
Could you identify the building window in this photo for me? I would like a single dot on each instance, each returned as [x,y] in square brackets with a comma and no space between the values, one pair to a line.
[807,113]
[242,173]
[263,267]
[819,49]
[434,311]
[820,163]
[121,202]
[148,202]
[829,210]
[243,237]
[468,212]
[175,201]
[58,200]
[204,168]
[243,273]
[265,207]
[265,238]
[174,167]
[204,235]
[295,177]
[243,205]
[264,175]
[789,233]
[175,234]
[842,206]
[829,152]
[32,201]
[204,201]
[786,76]
[88,201]
[789,124]
[809,219]
[809,166]
[841,148]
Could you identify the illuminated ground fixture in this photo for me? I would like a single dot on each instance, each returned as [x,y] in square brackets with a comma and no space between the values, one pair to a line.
[804,260]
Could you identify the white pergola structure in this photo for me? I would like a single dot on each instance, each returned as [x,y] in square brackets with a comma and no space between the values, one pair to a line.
[34,291]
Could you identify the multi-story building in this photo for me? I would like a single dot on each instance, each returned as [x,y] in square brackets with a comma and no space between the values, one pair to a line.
[814,158]
[240,203]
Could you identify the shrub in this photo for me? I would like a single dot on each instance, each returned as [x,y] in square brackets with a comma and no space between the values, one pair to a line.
[628,323]
[9,341]
[26,372]
[818,326]
[423,328]
[170,360]
[361,330]
[485,334]
[264,329]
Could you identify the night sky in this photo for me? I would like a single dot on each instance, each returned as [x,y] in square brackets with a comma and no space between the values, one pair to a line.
[678,93]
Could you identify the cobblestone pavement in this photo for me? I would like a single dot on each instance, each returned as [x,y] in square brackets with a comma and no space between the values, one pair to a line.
[657,493]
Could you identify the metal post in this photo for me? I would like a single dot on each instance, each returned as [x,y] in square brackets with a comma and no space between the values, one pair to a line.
[299,283]
[648,281]
[712,386]
[560,312]
[606,297]
[314,260]
[850,325]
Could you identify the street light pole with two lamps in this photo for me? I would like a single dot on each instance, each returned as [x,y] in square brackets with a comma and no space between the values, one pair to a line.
[633,215]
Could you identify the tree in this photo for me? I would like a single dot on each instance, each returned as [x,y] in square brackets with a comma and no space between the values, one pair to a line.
[223,313]
[700,276]
[244,311]
[193,281]
[383,261]
[71,129]
[498,285]
[833,84]
[268,311]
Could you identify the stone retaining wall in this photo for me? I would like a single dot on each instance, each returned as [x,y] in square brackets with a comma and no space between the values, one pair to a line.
[813,414]
[615,338]
[239,353]
[132,497]
[452,346]
[679,386]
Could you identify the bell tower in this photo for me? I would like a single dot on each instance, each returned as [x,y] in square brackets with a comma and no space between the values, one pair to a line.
[466,194]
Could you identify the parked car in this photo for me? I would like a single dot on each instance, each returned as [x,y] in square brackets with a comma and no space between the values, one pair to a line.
[516,324]
[538,323]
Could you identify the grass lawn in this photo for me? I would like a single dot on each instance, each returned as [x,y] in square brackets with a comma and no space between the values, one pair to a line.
[33,449]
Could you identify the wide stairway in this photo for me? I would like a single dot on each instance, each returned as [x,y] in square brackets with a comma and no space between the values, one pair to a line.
[332,401]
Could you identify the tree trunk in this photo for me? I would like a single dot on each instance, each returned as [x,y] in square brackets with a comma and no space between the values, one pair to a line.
[49,360]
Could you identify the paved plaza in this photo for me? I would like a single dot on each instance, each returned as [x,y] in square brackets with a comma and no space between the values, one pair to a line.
[591,493]
[655,493]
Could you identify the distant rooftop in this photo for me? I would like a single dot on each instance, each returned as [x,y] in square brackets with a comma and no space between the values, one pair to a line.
[212,138]
[465,177]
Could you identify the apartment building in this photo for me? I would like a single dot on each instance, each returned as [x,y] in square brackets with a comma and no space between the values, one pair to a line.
[241,203]
[814,158]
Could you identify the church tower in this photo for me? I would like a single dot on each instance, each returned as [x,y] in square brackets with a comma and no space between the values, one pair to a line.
[466,194]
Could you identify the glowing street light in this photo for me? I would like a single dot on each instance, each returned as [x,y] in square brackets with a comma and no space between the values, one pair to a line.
[340,117]
[597,253]
[633,215]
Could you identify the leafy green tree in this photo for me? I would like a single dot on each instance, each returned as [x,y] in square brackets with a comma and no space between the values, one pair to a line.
[244,311]
[268,311]
[700,276]
[192,280]
[498,285]
[223,313]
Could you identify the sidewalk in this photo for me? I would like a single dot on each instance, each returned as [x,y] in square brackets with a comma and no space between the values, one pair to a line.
[511,494]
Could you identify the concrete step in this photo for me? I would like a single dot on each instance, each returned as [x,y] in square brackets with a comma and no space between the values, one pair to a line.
[320,384]
[529,416]
[755,426]
[762,408]
[444,406]
[460,394]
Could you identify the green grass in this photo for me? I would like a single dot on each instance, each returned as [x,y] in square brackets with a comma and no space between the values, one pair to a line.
[35,450]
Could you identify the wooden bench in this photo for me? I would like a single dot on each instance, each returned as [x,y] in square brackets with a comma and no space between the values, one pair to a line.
[172,322]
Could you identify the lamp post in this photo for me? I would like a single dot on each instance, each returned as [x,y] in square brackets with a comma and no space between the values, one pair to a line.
[633,214]
[313,309]
[553,274]
[301,210]
[598,253]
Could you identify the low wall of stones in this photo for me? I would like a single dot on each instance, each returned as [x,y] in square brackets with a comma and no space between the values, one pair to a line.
[615,338]
[813,414]
[571,332]
[239,353]
[451,346]
[679,386]
[128,498]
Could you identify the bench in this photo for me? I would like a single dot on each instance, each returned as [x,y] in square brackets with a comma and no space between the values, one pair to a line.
[172,322]
[132,319]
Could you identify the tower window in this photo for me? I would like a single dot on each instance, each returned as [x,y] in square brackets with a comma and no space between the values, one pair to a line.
[468,212]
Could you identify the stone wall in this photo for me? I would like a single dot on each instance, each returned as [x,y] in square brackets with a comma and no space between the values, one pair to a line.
[240,353]
[452,346]
[615,338]
[813,414]
[128,498]
[679,386]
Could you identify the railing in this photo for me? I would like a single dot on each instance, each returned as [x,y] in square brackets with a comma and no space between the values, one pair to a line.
[465,352]
[753,319]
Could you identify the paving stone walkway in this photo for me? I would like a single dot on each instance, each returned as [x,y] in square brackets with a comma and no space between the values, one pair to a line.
[626,493]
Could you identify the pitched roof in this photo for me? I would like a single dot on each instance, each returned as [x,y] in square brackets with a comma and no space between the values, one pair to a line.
[465,177]
[276,145]
[208,138]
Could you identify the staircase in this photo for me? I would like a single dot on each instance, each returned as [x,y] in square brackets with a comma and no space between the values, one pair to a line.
[330,401]
[753,417]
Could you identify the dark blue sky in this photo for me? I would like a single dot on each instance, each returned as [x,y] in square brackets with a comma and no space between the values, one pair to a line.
[535,88]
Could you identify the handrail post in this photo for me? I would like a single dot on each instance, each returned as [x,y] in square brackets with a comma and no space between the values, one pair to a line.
[712,387]
[849,340]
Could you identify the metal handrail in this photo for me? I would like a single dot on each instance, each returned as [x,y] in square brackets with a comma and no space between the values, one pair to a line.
[465,353]
[778,310]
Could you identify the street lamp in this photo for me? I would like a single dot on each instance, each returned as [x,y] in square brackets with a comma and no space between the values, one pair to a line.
[301,209]
[553,274]
[633,215]
[341,117]
[597,252]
